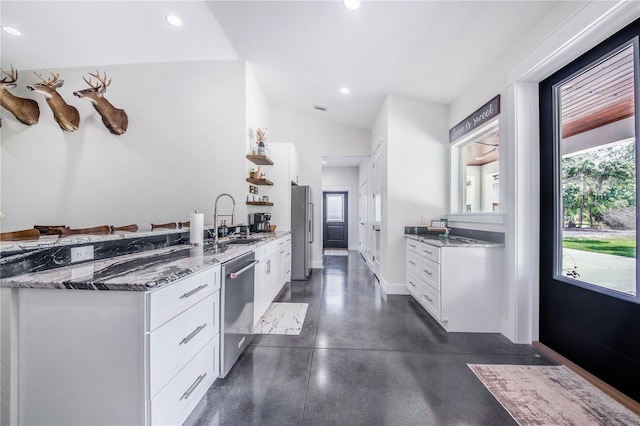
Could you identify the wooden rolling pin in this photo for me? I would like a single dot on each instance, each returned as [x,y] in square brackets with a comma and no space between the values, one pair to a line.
[170,225]
[128,228]
[25,235]
[104,229]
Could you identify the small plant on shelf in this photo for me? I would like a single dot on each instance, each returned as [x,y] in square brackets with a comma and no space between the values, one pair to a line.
[261,136]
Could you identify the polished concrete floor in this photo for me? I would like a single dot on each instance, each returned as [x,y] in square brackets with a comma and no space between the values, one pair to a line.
[362,358]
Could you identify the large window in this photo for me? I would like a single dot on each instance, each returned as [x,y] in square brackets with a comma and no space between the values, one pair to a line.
[596,179]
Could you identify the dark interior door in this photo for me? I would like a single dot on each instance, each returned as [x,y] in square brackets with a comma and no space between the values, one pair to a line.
[335,229]
[585,314]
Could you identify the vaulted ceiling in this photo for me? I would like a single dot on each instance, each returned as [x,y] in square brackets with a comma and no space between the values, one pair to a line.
[301,52]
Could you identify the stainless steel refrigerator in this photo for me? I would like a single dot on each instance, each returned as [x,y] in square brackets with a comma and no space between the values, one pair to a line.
[301,232]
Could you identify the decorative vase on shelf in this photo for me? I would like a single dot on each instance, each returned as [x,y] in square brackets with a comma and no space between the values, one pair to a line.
[261,150]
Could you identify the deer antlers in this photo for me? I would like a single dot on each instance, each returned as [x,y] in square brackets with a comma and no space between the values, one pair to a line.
[103,81]
[13,77]
[50,81]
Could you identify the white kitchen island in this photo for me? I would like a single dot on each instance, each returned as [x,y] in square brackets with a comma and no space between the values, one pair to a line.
[121,341]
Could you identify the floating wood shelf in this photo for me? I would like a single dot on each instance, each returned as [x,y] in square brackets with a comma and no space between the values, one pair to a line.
[259,181]
[259,203]
[260,160]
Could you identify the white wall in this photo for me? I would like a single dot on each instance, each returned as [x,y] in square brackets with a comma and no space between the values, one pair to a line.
[416,172]
[345,179]
[364,183]
[183,147]
[258,108]
[315,138]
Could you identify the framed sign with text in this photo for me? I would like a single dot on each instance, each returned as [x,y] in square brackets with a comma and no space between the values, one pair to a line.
[482,115]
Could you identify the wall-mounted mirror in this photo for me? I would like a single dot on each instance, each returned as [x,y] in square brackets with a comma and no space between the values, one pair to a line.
[478,158]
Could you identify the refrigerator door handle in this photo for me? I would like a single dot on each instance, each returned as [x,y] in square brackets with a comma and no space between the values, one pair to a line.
[310,222]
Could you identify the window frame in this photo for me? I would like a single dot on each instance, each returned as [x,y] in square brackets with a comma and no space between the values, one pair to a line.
[457,185]
[557,176]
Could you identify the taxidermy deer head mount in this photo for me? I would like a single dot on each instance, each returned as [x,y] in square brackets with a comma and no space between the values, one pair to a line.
[114,119]
[67,116]
[25,110]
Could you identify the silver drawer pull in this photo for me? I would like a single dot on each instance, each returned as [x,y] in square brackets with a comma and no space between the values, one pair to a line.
[411,245]
[192,334]
[282,252]
[194,291]
[289,271]
[429,273]
[193,387]
[428,298]
[412,283]
[281,244]
[413,263]
[427,251]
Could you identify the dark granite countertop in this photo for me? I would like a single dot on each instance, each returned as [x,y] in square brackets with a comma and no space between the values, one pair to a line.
[139,271]
[453,241]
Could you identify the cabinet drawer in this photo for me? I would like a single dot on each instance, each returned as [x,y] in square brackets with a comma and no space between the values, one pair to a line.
[271,248]
[413,284]
[178,398]
[424,250]
[413,245]
[169,301]
[430,273]
[176,342]
[430,299]
[414,262]
[430,252]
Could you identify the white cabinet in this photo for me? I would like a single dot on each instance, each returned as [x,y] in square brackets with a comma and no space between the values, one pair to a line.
[285,260]
[271,273]
[459,286]
[118,357]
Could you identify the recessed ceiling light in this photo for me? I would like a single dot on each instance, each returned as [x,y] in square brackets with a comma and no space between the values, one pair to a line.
[324,162]
[344,91]
[12,31]
[479,158]
[174,20]
[351,4]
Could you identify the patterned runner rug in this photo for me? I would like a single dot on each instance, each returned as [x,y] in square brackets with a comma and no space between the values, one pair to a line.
[551,395]
[283,318]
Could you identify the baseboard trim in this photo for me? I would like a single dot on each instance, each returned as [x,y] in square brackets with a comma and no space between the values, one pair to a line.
[623,399]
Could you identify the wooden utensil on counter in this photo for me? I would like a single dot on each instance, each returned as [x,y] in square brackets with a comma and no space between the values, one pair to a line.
[49,229]
[170,225]
[128,228]
[104,229]
[184,224]
[24,235]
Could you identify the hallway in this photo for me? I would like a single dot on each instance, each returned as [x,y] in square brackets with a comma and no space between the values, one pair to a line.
[362,359]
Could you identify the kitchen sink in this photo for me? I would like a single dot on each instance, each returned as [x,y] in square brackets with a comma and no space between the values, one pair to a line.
[240,241]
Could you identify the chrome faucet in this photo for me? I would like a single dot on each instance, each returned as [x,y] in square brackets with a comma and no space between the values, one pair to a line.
[215,216]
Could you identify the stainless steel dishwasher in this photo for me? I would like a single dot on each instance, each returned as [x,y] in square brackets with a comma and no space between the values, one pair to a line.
[236,313]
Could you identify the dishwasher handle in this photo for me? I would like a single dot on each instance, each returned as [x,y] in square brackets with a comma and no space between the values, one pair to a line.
[236,274]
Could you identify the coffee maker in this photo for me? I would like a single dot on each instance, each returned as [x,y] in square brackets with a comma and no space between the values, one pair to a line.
[259,222]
